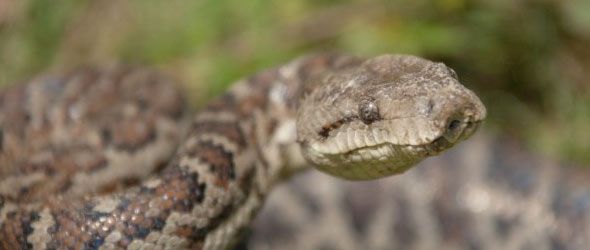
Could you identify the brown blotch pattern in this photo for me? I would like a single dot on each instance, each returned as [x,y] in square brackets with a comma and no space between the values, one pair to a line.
[219,160]
[134,216]
[119,106]
[14,235]
[58,165]
[231,131]
[130,135]
[226,102]
[326,129]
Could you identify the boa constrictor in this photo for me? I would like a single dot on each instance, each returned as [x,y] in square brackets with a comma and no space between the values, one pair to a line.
[77,150]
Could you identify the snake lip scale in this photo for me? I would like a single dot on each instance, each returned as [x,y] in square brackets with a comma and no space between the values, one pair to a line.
[436,147]
[109,158]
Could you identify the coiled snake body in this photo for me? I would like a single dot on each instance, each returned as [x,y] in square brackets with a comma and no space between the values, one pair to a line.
[76,151]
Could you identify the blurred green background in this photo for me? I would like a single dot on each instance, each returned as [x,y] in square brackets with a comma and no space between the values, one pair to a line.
[528,59]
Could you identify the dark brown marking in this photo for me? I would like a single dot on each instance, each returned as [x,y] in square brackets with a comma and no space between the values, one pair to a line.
[58,165]
[79,226]
[226,101]
[262,81]
[181,191]
[131,135]
[229,130]
[327,128]
[220,161]
[66,233]
[80,102]
[197,235]
[15,230]
[251,103]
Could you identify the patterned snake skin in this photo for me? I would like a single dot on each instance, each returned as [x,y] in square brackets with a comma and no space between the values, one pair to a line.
[86,157]
[487,193]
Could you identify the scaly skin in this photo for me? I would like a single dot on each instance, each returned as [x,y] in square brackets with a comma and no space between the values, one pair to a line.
[237,148]
[487,193]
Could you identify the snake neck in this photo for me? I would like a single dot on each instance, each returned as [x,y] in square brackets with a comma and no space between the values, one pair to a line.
[244,142]
[236,149]
[265,107]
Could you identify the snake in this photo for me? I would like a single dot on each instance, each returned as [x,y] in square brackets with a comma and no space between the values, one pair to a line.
[111,158]
[487,193]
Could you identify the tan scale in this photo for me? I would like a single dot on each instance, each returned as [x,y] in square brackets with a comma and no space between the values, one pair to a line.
[351,117]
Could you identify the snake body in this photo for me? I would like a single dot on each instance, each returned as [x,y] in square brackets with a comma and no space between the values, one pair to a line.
[76,151]
[487,193]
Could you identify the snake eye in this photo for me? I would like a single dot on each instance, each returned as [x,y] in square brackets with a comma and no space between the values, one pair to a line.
[368,111]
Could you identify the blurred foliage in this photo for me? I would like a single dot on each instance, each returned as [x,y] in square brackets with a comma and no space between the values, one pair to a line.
[528,59]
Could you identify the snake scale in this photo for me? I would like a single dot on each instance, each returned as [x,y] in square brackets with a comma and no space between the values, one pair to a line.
[89,160]
[487,193]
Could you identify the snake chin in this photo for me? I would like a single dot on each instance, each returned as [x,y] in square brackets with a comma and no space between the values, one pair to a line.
[369,162]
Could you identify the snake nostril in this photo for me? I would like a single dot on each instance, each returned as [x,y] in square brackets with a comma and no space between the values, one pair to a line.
[454,124]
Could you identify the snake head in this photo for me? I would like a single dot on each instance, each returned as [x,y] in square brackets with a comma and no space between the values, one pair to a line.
[384,115]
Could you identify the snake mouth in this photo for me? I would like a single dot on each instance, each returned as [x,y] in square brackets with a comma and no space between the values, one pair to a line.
[385,150]
[375,161]
[370,161]
[437,146]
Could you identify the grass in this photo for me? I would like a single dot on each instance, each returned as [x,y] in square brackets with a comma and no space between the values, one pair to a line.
[527,59]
